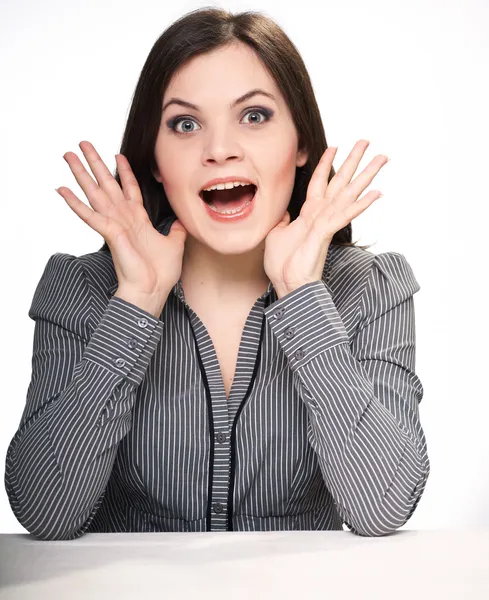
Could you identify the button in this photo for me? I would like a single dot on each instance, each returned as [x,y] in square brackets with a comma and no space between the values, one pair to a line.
[299,354]
[279,313]
[289,333]
[143,322]
[221,437]
[218,508]
[120,362]
[132,343]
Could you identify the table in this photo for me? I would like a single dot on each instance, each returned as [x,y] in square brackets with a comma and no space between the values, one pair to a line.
[435,564]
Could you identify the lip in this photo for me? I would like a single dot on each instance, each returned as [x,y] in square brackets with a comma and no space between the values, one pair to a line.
[227,180]
[230,218]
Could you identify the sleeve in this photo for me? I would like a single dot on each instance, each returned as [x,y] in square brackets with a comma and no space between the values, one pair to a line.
[79,400]
[362,395]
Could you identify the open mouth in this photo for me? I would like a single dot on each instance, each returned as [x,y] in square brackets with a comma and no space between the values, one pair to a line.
[233,199]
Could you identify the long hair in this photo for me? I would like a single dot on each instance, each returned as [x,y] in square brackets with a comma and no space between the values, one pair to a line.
[196,33]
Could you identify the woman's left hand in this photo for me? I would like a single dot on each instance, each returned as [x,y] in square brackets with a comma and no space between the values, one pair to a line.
[295,252]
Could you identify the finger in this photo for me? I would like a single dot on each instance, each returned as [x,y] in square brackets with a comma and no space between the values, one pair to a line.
[86,214]
[358,185]
[318,184]
[129,182]
[102,174]
[343,176]
[362,204]
[96,196]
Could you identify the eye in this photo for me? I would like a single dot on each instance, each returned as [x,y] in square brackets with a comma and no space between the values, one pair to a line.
[259,111]
[173,123]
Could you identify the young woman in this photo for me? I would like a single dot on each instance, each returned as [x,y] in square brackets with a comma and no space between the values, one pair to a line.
[228,360]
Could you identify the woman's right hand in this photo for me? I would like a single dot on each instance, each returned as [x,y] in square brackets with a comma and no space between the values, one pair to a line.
[148,264]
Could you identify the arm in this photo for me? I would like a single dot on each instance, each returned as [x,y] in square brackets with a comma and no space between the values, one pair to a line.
[362,396]
[78,404]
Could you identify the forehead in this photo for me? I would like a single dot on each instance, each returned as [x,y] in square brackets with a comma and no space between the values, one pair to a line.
[225,73]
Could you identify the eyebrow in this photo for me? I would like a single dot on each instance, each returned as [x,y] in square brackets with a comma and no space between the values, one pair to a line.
[239,100]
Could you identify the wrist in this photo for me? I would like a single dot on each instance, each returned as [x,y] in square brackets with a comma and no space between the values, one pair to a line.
[283,290]
[151,303]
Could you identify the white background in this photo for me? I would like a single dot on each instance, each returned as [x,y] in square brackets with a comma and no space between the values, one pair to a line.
[411,77]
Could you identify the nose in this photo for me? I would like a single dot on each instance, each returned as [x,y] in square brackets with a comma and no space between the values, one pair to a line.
[222,146]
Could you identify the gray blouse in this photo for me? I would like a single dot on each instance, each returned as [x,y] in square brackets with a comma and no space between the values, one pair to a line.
[127,427]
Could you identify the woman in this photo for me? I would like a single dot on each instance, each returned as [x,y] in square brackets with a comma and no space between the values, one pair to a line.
[213,372]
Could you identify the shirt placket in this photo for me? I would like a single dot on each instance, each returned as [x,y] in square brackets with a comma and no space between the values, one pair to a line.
[224,411]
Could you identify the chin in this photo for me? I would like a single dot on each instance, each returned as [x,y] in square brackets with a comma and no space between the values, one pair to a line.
[233,245]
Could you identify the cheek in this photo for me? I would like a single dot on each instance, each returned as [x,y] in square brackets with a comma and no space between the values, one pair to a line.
[284,169]
[171,172]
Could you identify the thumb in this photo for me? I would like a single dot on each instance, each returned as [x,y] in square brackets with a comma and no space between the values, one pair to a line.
[285,220]
[177,229]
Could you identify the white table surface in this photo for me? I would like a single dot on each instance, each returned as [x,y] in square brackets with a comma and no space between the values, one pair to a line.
[435,564]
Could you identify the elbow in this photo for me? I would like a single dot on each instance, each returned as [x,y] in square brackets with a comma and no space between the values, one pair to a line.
[391,513]
[44,524]
[59,534]
[375,525]
[38,509]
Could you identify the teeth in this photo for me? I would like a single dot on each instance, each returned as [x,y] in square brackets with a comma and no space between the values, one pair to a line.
[225,186]
[229,212]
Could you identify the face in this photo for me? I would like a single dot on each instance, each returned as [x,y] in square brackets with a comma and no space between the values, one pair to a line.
[255,139]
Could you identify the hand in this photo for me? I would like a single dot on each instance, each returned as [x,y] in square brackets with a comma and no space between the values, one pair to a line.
[146,262]
[295,252]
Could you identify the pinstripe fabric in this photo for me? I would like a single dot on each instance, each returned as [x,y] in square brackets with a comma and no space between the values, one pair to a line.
[126,426]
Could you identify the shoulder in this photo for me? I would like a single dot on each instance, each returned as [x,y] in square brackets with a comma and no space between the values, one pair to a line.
[97,268]
[352,272]
[346,265]
[100,271]
[72,286]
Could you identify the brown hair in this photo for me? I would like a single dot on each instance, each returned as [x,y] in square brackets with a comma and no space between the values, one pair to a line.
[196,33]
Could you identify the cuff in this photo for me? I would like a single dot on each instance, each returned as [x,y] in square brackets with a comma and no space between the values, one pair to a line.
[306,322]
[125,340]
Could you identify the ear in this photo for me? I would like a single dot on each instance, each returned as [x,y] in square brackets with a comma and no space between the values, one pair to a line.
[302,156]
[156,175]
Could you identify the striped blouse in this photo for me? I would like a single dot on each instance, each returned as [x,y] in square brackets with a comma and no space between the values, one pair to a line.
[127,428]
